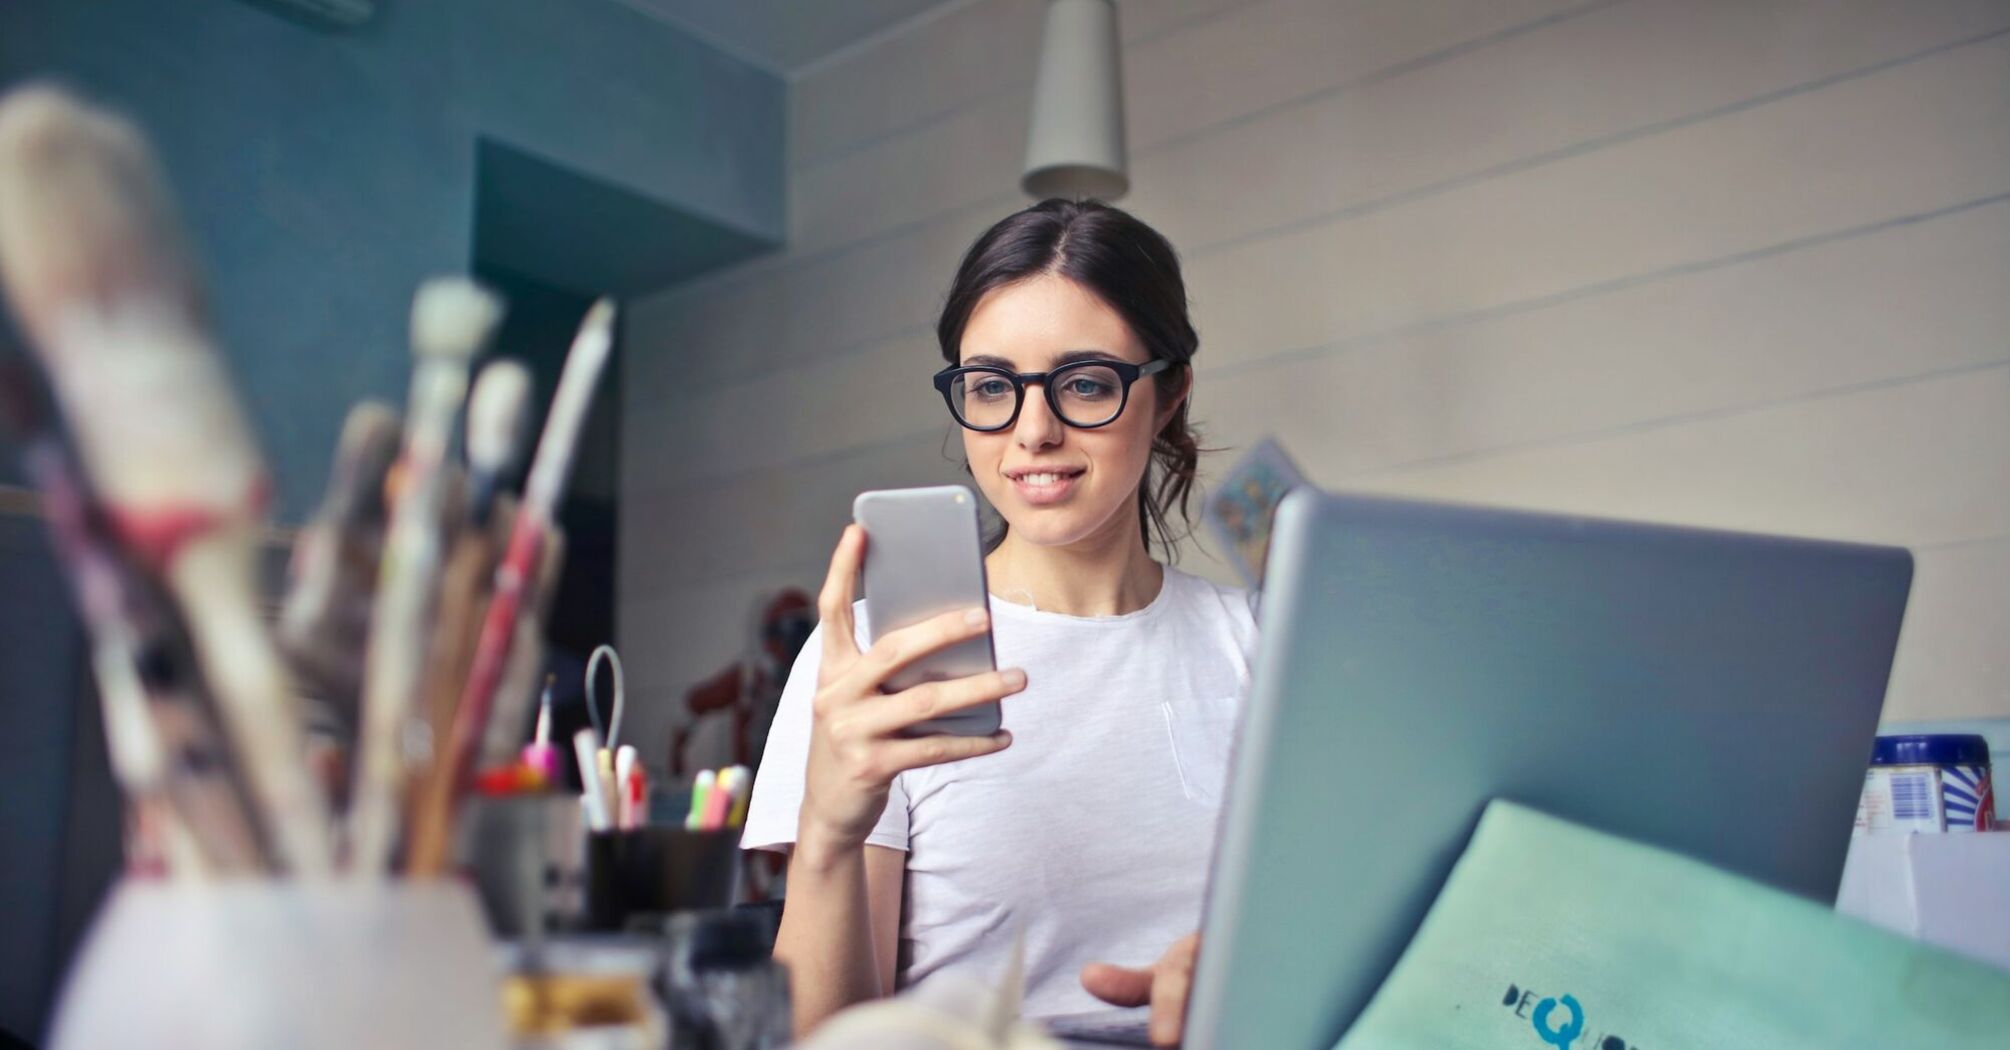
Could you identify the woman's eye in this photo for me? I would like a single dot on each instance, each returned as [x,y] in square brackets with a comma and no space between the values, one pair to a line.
[1086,388]
[991,388]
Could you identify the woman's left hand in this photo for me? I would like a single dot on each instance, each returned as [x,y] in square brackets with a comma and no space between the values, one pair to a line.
[1163,985]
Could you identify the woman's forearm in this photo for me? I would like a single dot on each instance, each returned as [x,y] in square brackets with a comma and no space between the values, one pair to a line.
[826,935]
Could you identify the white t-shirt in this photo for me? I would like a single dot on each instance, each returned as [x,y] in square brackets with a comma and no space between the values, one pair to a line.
[1093,831]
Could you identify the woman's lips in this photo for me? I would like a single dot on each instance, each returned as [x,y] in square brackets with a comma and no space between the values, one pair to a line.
[1043,488]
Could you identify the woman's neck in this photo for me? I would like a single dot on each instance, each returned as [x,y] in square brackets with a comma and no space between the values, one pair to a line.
[1109,574]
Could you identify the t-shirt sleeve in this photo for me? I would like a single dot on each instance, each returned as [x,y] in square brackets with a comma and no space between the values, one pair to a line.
[778,787]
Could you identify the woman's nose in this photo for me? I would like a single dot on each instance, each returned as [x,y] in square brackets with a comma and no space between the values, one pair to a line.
[1037,427]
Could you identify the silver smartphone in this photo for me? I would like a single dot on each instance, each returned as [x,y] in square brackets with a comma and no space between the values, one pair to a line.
[924,556]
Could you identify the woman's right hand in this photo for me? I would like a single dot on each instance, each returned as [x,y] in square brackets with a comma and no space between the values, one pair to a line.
[856,746]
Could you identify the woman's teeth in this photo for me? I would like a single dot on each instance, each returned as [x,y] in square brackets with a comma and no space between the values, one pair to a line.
[1041,479]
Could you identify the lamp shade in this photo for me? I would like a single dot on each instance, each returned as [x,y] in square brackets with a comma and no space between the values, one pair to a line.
[1076,145]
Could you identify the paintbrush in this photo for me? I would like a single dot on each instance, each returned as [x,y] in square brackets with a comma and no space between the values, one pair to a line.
[497,414]
[498,410]
[452,318]
[520,567]
[325,621]
[516,688]
[495,425]
[165,748]
[93,263]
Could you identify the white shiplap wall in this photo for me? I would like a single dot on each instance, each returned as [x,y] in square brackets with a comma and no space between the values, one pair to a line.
[1728,262]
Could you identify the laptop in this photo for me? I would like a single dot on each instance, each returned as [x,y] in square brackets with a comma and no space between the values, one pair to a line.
[1709,692]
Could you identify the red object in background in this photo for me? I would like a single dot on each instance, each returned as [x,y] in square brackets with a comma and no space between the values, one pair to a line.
[750,688]
[721,692]
[514,779]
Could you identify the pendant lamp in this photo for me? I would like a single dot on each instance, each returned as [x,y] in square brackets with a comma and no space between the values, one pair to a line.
[1075,147]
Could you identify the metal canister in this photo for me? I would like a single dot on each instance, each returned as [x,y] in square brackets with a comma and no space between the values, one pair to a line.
[1927,783]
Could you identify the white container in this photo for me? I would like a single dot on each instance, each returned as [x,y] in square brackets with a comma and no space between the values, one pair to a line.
[1949,890]
[254,965]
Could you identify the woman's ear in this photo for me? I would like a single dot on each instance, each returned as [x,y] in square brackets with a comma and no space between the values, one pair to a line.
[1174,400]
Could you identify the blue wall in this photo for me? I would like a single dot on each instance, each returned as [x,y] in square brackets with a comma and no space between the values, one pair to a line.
[326,172]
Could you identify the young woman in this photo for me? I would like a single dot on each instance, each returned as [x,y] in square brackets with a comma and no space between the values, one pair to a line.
[1086,826]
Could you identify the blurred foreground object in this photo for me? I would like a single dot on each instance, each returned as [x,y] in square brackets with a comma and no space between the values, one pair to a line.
[324,623]
[322,965]
[190,811]
[950,1011]
[452,320]
[95,268]
[508,626]
[721,986]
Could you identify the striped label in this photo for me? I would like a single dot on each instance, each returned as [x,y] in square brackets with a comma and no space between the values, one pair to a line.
[1966,798]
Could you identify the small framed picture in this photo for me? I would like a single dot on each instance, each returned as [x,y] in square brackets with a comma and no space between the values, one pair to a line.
[1242,505]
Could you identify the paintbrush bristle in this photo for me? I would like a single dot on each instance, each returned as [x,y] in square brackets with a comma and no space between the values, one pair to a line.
[96,266]
[496,415]
[84,211]
[452,317]
[363,454]
[599,319]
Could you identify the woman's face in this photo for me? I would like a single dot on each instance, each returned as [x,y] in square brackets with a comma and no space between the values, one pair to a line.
[1056,484]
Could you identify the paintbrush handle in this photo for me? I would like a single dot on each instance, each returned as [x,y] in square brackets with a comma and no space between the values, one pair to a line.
[164,749]
[394,665]
[584,363]
[433,824]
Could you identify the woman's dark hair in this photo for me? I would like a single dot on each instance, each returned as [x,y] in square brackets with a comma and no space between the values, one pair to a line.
[1133,269]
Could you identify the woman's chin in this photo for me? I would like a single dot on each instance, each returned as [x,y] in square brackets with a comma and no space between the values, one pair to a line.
[1062,526]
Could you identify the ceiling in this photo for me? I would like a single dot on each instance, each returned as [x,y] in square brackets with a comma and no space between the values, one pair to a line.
[786,35]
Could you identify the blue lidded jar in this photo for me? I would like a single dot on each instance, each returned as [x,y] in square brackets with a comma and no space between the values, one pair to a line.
[1929,782]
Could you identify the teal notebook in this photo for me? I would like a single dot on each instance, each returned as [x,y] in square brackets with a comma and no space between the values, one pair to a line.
[1548,934]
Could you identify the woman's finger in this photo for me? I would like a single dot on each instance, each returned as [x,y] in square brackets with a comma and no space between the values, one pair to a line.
[1169,988]
[834,603]
[1118,985]
[895,650]
[898,756]
[888,715]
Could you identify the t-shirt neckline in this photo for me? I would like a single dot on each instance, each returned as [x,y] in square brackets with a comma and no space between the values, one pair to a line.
[1151,609]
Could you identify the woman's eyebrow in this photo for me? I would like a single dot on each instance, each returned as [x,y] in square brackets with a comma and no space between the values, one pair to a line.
[1065,358]
[1073,356]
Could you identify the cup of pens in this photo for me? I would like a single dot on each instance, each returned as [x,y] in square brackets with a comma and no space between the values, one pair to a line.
[641,873]
[637,869]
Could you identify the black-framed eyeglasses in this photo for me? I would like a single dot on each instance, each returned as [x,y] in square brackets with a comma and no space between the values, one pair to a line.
[1083,394]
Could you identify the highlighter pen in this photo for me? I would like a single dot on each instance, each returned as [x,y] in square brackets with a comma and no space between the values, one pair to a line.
[718,802]
[539,754]
[743,790]
[609,789]
[695,819]
[624,768]
[586,747]
[637,787]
